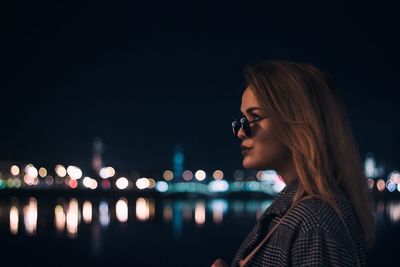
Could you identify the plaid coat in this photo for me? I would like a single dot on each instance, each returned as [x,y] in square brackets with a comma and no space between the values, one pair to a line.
[312,234]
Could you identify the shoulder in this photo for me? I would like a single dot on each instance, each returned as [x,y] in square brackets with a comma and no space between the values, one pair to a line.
[315,214]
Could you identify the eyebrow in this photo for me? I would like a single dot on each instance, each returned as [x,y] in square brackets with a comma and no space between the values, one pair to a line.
[252,109]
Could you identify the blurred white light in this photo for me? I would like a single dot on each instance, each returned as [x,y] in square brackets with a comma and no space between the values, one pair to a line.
[59,218]
[94,184]
[87,212]
[279,184]
[200,213]
[142,183]
[370,168]
[87,182]
[200,175]
[14,220]
[142,209]
[31,171]
[72,217]
[218,186]
[30,216]
[60,170]
[267,176]
[14,170]
[394,176]
[218,207]
[161,186]
[74,172]
[122,183]
[121,209]
[106,172]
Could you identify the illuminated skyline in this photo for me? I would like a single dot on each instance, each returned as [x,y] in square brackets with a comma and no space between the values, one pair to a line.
[147,79]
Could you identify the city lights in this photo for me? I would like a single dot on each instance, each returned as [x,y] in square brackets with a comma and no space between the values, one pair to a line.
[218,175]
[107,172]
[42,172]
[121,209]
[168,175]
[60,170]
[74,172]
[14,170]
[267,181]
[142,183]
[87,212]
[200,175]
[187,175]
[122,183]
[162,186]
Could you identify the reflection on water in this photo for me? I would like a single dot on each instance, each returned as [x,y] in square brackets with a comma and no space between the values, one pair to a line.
[87,212]
[69,214]
[121,209]
[14,219]
[30,216]
[387,211]
[218,208]
[200,213]
[104,215]
[145,209]
[129,231]
[72,218]
[59,218]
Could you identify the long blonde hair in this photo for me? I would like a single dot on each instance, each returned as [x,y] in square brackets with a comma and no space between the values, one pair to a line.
[310,119]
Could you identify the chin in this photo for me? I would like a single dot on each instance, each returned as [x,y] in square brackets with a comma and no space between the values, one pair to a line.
[249,163]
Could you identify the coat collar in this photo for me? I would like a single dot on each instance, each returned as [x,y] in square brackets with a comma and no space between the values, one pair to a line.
[282,201]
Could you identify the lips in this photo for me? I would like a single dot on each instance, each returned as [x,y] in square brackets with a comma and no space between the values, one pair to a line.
[245,150]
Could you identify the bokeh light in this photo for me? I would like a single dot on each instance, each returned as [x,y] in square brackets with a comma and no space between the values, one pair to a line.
[74,172]
[187,175]
[168,175]
[42,172]
[121,209]
[60,170]
[142,183]
[218,175]
[122,183]
[200,175]
[14,170]
[380,184]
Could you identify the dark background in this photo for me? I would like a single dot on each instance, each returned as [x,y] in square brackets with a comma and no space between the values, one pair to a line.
[146,76]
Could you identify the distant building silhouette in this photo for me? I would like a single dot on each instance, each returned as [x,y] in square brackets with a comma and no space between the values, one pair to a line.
[97,160]
[178,162]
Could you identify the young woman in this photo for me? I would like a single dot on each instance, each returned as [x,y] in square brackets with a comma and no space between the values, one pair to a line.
[295,123]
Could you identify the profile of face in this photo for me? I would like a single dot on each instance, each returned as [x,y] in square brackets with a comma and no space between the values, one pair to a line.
[262,150]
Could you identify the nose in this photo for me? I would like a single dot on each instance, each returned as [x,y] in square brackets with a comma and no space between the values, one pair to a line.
[241,134]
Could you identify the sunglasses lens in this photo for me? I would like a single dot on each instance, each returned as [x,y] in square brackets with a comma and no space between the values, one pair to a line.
[246,127]
[235,127]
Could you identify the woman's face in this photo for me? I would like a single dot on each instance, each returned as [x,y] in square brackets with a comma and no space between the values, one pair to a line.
[262,150]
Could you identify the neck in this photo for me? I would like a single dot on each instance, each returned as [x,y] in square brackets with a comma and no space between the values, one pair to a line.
[287,172]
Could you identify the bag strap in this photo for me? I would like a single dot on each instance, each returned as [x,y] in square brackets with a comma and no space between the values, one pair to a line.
[245,261]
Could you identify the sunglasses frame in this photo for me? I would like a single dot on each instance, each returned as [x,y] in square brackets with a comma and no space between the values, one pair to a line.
[244,123]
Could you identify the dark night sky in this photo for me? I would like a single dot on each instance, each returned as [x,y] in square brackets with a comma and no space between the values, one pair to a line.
[145,77]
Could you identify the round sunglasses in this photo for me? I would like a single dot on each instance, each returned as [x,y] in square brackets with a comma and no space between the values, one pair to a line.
[244,123]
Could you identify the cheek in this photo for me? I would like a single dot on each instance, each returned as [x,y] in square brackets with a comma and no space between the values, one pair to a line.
[269,151]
